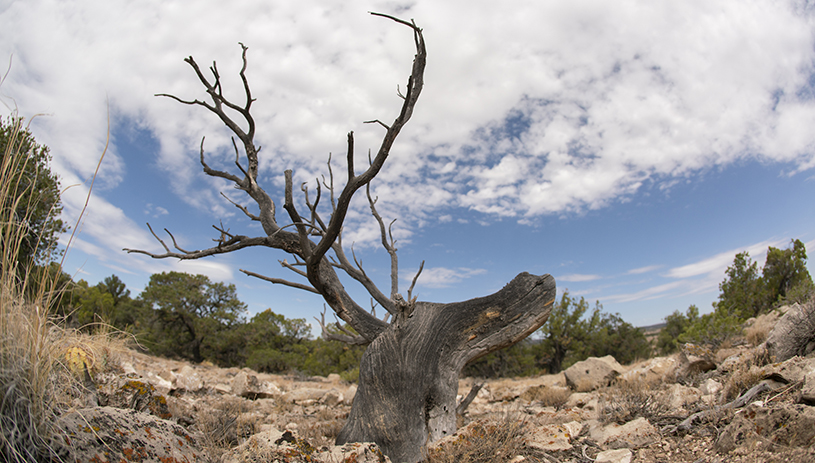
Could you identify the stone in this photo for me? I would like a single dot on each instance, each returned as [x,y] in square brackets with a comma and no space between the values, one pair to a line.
[784,425]
[614,456]
[793,334]
[693,359]
[592,373]
[127,435]
[659,369]
[136,395]
[554,437]
[789,371]
[808,390]
[710,387]
[188,379]
[680,395]
[274,445]
[247,385]
[332,398]
[636,433]
[305,395]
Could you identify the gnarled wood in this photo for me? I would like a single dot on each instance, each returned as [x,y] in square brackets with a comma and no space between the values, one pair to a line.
[409,373]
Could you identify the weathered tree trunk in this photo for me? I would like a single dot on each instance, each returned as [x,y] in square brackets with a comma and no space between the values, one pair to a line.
[409,374]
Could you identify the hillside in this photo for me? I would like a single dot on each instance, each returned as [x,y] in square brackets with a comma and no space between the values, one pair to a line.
[695,406]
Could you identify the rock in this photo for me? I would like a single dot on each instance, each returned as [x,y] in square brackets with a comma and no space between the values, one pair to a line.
[680,395]
[332,398]
[188,379]
[352,392]
[554,437]
[710,387]
[637,433]
[305,395]
[785,425]
[614,456]
[790,371]
[553,396]
[808,390]
[692,360]
[127,435]
[248,386]
[659,369]
[137,395]
[334,378]
[793,334]
[592,373]
[274,445]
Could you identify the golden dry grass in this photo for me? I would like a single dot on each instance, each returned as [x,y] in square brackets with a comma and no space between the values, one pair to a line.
[42,365]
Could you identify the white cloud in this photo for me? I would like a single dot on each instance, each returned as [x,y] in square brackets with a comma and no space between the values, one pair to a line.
[529,108]
[641,270]
[579,278]
[716,265]
[442,277]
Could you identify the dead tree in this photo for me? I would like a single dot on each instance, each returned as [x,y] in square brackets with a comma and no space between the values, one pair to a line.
[409,373]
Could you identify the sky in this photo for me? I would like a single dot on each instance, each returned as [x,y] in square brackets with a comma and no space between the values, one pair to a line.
[628,148]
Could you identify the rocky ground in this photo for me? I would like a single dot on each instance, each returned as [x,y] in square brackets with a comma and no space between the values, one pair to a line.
[695,406]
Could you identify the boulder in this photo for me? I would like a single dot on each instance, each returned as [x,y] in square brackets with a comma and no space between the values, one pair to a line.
[784,425]
[789,371]
[247,385]
[680,395]
[554,437]
[592,373]
[188,379]
[659,369]
[808,390]
[693,359]
[636,433]
[274,445]
[127,435]
[614,456]
[794,334]
[332,398]
[136,395]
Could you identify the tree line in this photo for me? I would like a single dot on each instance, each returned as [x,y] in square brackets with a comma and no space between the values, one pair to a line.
[745,292]
[190,317]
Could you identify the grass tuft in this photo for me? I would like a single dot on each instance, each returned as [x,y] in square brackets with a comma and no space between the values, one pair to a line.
[42,366]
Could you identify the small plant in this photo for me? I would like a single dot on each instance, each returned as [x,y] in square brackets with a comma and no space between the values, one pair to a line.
[625,401]
[484,441]
[42,365]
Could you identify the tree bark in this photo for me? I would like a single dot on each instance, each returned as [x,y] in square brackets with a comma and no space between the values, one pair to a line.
[409,374]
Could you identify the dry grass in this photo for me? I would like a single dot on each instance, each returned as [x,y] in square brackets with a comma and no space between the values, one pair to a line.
[625,401]
[225,424]
[487,441]
[37,356]
[548,396]
[740,380]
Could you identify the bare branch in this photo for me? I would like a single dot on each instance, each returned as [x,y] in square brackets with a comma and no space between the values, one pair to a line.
[284,263]
[413,283]
[388,246]
[348,337]
[242,208]
[280,281]
[239,242]
[377,121]
[414,88]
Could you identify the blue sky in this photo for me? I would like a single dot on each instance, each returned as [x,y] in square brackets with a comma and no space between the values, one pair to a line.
[628,148]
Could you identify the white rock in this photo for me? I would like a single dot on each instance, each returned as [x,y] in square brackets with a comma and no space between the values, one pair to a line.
[614,456]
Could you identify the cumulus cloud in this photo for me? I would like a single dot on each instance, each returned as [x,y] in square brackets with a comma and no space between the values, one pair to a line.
[579,278]
[530,108]
[442,277]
